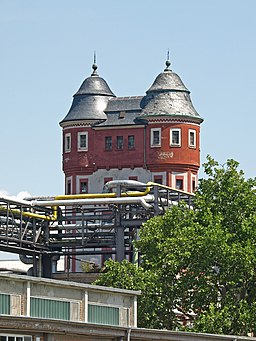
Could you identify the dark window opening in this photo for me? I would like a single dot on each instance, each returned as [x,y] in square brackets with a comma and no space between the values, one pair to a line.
[83,187]
[69,187]
[192,139]
[156,137]
[67,143]
[179,184]
[120,142]
[83,141]
[107,180]
[193,185]
[131,142]
[108,143]
[158,179]
[133,178]
[176,137]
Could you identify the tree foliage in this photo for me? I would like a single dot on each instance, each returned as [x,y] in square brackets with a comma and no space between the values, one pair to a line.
[201,262]
[126,275]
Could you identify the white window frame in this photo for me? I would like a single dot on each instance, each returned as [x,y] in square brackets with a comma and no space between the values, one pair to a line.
[79,179]
[171,134]
[67,146]
[68,179]
[152,144]
[192,131]
[79,134]
[193,178]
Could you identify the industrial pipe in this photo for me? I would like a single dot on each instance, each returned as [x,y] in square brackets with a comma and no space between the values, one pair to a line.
[98,201]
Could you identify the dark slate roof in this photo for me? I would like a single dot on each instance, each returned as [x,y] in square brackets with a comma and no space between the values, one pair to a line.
[94,85]
[122,119]
[124,104]
[167,81]
[123,111]
[87,107]
[169,104]
[90,101]
[168,96]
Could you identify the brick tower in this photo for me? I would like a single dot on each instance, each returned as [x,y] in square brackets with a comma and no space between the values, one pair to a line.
[155,137]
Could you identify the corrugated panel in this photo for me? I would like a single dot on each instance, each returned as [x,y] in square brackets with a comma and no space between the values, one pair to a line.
[40,307]
[4,304]
[103,315]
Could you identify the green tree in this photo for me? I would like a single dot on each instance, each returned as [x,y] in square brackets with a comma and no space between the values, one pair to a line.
[126,275]
[202,262]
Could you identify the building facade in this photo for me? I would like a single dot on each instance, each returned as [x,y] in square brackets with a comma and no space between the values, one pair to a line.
[38,309]
[155,137]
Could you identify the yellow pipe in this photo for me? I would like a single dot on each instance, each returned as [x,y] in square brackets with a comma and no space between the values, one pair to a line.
[104,195]
[114,195]
[85,196]
[52,217]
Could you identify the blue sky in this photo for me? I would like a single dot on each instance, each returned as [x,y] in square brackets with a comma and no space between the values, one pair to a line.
[47,51]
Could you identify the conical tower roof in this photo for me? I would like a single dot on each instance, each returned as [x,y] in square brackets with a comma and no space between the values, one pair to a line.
[168,96]
[90,101]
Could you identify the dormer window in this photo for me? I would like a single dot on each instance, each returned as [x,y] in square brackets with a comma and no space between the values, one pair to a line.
[121,114]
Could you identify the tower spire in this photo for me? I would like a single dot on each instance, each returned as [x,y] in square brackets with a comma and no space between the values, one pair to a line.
[168,63]
[94,66]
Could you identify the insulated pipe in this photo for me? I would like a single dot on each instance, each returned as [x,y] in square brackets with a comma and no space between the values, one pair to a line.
[26,259]
[98,201]
[170,188]
[15,201]
[114,183]
[110,195]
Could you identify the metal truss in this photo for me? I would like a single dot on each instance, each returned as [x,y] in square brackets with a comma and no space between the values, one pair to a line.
[107,225]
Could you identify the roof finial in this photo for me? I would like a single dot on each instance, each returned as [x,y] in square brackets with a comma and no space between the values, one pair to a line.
[94,66]
[168,63]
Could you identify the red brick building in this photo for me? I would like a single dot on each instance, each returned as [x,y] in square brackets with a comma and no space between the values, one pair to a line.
[155,137]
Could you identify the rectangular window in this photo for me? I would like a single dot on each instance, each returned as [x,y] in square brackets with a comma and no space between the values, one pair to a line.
[133,178]
[192,138]
[155,137]
[193,185]
[82,141]
[15,338]
[158,179]
[5,304]
[68,188]
[83,186]
[67,143]
[120,142]
[52,309]
[108,143]
[103,314]
[175,137]
[131,142]
[179,184]
[107,180]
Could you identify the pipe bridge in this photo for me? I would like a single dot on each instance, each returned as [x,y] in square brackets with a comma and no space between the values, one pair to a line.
[85,224]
